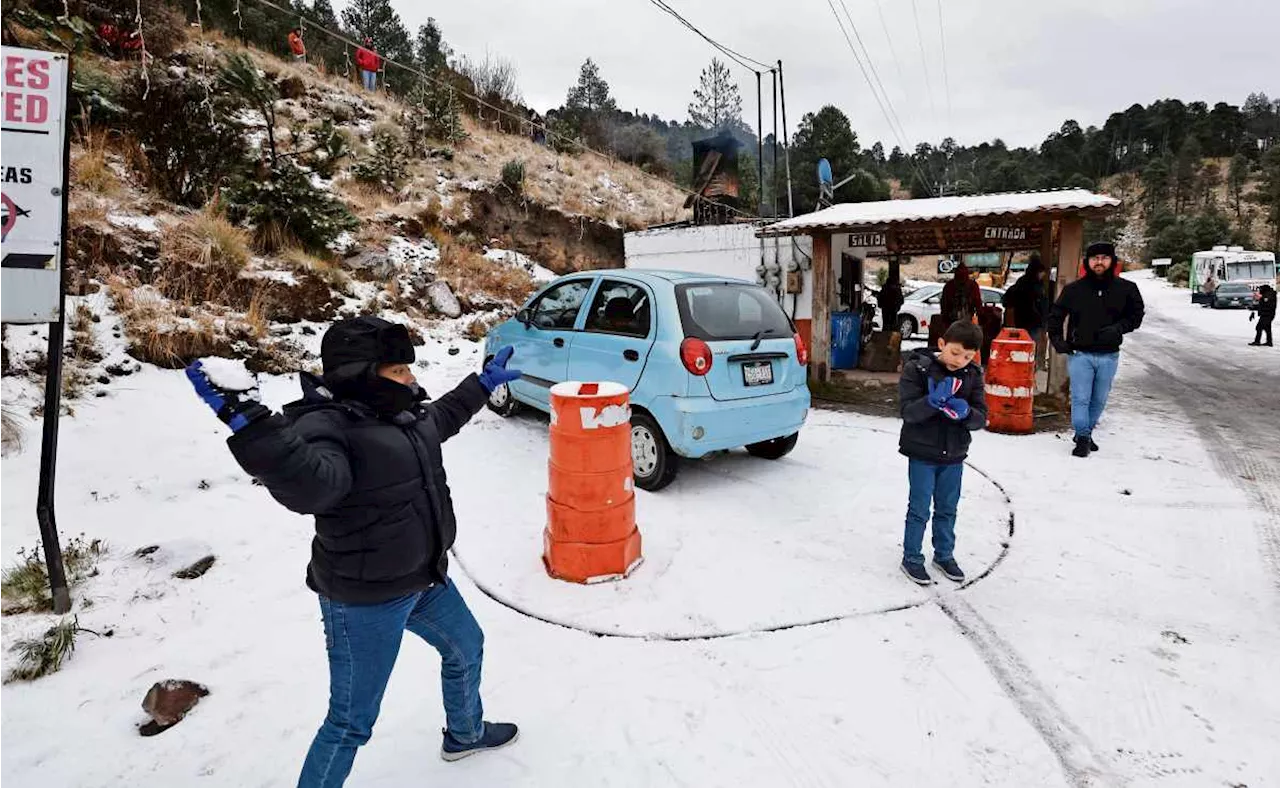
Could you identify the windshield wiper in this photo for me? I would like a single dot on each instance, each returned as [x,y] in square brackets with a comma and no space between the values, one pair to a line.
[755,340]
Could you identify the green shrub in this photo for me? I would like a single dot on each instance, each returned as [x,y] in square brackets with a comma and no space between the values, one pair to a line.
[513,175]
[388,163]
[25,585]
[330,146]
[40,657]
[434,114]
[286,206]
[1180,273]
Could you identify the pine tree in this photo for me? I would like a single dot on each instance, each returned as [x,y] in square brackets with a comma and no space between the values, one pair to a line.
[1237,177]
[717,103]
[377,20]
[591,94]
[432,52]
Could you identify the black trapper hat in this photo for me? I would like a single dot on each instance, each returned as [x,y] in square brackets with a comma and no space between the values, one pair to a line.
[351,347]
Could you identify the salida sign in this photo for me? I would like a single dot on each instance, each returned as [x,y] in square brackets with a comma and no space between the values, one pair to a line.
[32,163]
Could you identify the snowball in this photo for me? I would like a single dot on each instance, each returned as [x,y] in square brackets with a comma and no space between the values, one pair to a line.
[227,374]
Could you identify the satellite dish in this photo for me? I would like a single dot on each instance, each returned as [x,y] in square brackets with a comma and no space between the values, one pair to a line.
[826,192]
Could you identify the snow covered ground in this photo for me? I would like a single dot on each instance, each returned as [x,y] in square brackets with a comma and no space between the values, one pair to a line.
[1126,636]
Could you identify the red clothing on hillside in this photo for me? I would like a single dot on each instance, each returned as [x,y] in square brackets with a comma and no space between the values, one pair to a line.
[368,60]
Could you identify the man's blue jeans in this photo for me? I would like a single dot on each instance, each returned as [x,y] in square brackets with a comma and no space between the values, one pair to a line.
[370,79]
[363,641]
[938,485]
[1091,377]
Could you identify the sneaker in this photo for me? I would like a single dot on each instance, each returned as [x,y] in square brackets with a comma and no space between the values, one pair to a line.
[1092,446]
[916,573]
[1255,344]
[951,569]
[495,736]
[1082,448]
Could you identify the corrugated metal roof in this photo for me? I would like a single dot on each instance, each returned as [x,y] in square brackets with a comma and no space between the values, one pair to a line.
[862,214]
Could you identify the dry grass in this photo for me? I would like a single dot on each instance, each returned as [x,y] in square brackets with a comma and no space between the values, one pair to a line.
[206,240]
[470,274]
[86,209]
[366,199]
[11,432]
[24,586]
[161,332]
[479,328]
[89,168]
[329,270]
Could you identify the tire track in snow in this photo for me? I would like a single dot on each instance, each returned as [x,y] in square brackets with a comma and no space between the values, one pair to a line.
[1082,764]
[1229,407]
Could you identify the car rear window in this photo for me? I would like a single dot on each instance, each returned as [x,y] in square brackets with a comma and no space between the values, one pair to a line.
[723,310]
[1234,289]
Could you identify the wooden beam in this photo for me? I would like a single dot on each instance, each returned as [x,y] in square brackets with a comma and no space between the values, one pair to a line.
[1070,249]
[823,281]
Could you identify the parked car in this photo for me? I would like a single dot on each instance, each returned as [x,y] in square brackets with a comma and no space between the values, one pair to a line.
[924,304]
[711,363]
[1234,295]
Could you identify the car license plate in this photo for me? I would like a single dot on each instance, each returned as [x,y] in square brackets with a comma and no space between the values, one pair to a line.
[757,373]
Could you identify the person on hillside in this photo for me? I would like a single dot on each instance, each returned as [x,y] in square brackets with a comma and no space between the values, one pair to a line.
[296,45]
[369,64]
[1026,303]
[1088,323]
[942,401]
[961,298]
[1265,313]
[361,451]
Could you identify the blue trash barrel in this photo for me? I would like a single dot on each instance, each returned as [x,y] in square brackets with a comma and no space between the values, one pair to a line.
[845,340]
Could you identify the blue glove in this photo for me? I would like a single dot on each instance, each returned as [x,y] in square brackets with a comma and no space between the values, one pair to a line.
[496,374]
[956,409]
[237,409]
[941,392]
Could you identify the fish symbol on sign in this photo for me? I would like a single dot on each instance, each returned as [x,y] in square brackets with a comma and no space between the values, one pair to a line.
[11,214]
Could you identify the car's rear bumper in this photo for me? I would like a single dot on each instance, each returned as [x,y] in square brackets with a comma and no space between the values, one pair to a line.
[728,424]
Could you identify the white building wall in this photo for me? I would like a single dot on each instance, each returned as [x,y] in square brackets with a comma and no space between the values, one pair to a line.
[730,250]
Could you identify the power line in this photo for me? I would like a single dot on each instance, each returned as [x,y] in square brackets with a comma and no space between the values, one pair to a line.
[853,50]
[924,61]
[737,57]
[946,78]
[875,73]
[893,52]
[481,102]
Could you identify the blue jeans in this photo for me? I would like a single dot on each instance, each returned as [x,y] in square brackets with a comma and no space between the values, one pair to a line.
[363,641]
[370,79]
[1091,378]
[938,485]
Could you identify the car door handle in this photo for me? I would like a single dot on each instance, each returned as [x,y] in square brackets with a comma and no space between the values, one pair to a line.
[631,355]
[558,342]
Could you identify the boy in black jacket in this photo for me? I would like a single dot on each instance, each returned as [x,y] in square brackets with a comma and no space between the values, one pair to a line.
[361,452]
[941,397]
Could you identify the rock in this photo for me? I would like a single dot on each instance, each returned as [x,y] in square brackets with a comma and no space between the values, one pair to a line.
[168,702]
[453,351]
[292,88]
[443,299]
[309,331]
[143,552]
[372,264]
[197,569]
[281,331]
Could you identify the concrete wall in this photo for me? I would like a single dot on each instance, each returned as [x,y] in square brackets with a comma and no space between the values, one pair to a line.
[730,250]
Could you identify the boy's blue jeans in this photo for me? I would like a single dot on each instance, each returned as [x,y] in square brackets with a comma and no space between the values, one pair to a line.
[1091,377]
[363,641]
[370,79]
[938,485]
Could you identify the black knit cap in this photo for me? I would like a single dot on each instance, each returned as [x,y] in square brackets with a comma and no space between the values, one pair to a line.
[351,347]
[1100,247]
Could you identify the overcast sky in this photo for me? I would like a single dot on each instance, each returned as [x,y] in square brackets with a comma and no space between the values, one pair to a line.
[1016,68]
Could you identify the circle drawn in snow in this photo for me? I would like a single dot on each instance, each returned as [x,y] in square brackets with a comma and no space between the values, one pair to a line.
[736,545]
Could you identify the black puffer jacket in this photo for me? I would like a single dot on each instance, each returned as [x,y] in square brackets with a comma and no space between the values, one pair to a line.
[1097,311]
[384,516]
[929,434]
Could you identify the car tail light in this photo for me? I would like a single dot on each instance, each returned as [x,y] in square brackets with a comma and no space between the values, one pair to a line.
[696,356]
[802,352]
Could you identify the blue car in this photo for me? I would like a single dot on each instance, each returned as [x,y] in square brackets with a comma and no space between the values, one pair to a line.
[711,363]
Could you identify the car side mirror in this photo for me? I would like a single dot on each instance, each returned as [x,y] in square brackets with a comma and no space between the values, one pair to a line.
[524,317]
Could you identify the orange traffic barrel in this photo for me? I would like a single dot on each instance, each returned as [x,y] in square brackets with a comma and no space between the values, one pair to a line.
[591,533]
[1011,382]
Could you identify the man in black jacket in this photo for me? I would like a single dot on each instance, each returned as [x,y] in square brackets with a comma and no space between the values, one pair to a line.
[361,452]
[1089,322]
[1025,303]
[941,398]
[1266,313]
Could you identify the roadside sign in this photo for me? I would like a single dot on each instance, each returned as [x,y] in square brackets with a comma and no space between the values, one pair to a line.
[32,161]
[978,260]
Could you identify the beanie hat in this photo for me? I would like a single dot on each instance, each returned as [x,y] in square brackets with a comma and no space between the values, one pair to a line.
[1101,247]
[353,347]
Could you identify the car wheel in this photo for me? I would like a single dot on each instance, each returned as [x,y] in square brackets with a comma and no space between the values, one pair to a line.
[774,449]
[653,462]
[502,401]
[906,326]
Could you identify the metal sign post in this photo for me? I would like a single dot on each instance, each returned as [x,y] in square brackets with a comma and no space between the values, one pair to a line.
[36,154]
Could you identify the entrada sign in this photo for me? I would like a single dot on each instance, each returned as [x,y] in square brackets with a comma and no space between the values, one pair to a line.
[1005,234]
[865,240]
